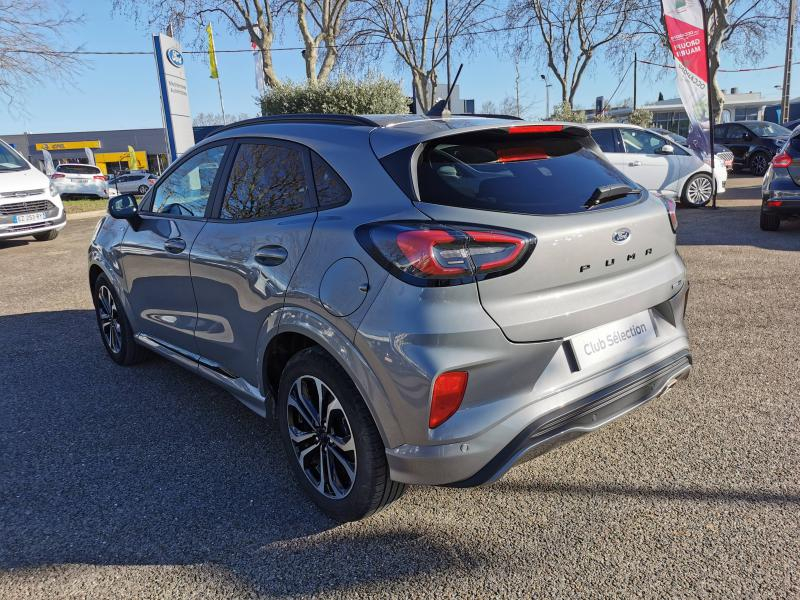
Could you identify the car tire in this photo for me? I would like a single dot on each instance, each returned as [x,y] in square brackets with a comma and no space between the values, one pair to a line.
[346,440]
[698,191]
[770,222]
[115,329]
[46,236]
[759,163]
[142,190]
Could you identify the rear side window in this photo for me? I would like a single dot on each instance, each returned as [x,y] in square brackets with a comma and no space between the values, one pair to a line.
[331,189]
[529,174]
[265,181]
[607,140]
[78,169]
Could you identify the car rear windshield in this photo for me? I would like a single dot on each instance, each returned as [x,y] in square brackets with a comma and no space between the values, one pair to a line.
[78,169]
[554,173]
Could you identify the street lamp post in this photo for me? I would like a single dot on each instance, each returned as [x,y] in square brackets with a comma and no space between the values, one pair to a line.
[546,95]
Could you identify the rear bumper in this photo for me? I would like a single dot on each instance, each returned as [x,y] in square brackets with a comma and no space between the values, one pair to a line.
[583,416]
[787,207]
[89,189]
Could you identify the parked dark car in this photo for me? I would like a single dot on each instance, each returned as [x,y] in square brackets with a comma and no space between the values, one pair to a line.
[753,143]
[780,191]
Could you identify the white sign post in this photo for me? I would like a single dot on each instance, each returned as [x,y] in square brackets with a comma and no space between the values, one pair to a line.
[174,95]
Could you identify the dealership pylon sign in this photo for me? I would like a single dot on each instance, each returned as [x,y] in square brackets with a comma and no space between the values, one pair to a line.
[686,30]
[174,95]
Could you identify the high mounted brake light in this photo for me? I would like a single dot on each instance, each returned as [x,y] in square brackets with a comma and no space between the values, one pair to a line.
[430,254]
[535,128]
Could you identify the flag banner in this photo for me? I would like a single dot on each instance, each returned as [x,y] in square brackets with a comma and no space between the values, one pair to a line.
[49,167]
[258,59]
[133,163]
[89,155]
[212,54]
[687,40]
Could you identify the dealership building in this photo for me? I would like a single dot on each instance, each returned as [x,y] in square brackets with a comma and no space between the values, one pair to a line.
[110,149]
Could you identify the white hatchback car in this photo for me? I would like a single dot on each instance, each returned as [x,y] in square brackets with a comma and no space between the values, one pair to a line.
[29,204]
[660,164]
[80,180]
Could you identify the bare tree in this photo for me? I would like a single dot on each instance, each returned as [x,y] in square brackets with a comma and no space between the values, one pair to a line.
[326,27]
[415,29]
[740,28]
[32,47]
[256,18]
[573,32]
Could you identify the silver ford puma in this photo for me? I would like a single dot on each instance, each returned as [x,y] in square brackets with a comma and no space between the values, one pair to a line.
[410,300]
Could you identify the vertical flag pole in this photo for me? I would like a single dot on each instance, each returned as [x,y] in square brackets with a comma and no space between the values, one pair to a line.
[711,120]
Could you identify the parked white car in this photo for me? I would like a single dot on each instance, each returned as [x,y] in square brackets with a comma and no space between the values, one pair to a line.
[658,163]
[131,183]
[29,204]
[80,180]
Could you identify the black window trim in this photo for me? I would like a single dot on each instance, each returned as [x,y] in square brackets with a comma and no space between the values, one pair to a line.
[147,201]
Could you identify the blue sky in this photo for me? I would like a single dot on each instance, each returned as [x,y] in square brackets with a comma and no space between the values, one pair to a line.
[120,92]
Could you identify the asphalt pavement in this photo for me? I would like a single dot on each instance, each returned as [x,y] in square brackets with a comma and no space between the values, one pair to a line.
[147,482]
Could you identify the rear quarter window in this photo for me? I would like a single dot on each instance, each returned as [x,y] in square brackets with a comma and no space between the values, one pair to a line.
[540,174]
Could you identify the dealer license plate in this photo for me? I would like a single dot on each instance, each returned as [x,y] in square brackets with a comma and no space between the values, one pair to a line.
[30,217]
[613,340]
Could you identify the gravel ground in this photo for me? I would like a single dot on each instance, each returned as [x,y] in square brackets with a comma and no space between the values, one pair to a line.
[150,483]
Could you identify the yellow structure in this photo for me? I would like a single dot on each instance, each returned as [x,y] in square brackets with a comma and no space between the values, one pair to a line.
[101,159]
[68,145]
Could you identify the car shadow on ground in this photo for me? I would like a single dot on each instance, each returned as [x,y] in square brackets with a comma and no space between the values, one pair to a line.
[693,495]
[144,465]
[734,226]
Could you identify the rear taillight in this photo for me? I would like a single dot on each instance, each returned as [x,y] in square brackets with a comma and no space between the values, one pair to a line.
[56,176]
[669,204]
[781,160]
[100,177]
[448,392]
[429,254]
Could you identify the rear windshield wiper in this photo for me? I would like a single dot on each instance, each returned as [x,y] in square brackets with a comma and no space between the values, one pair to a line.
[607,193]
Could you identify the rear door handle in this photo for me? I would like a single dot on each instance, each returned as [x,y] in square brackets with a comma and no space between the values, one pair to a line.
[271,256]
[635,163]
[175,245]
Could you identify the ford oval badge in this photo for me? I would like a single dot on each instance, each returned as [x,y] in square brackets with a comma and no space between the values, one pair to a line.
[621,235]
[175,57]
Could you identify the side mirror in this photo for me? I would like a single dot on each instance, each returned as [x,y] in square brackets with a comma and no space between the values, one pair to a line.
[124,207]
[667,149]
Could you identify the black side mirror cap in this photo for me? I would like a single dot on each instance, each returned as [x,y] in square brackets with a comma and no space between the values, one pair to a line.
[124,207]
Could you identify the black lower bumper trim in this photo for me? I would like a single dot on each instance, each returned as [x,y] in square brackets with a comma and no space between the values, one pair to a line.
[577,418]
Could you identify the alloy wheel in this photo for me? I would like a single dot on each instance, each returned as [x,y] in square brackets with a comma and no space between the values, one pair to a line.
[321,437]
[699,191]
[759,164]
[110,325]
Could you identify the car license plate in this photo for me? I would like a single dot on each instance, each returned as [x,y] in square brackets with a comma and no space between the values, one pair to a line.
[613,340]
[30,217]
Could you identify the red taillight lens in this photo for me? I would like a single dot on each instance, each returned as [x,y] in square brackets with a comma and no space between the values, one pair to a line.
[100,177]
[669,204]
[775,203]
[781,160]
[448,392]
[428,254]
[535,129]
[56,176]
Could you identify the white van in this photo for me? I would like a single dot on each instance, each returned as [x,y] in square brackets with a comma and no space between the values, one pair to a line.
[29,204]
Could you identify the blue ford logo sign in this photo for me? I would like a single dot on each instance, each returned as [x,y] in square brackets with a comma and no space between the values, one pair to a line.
[621,235]
[175,57]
